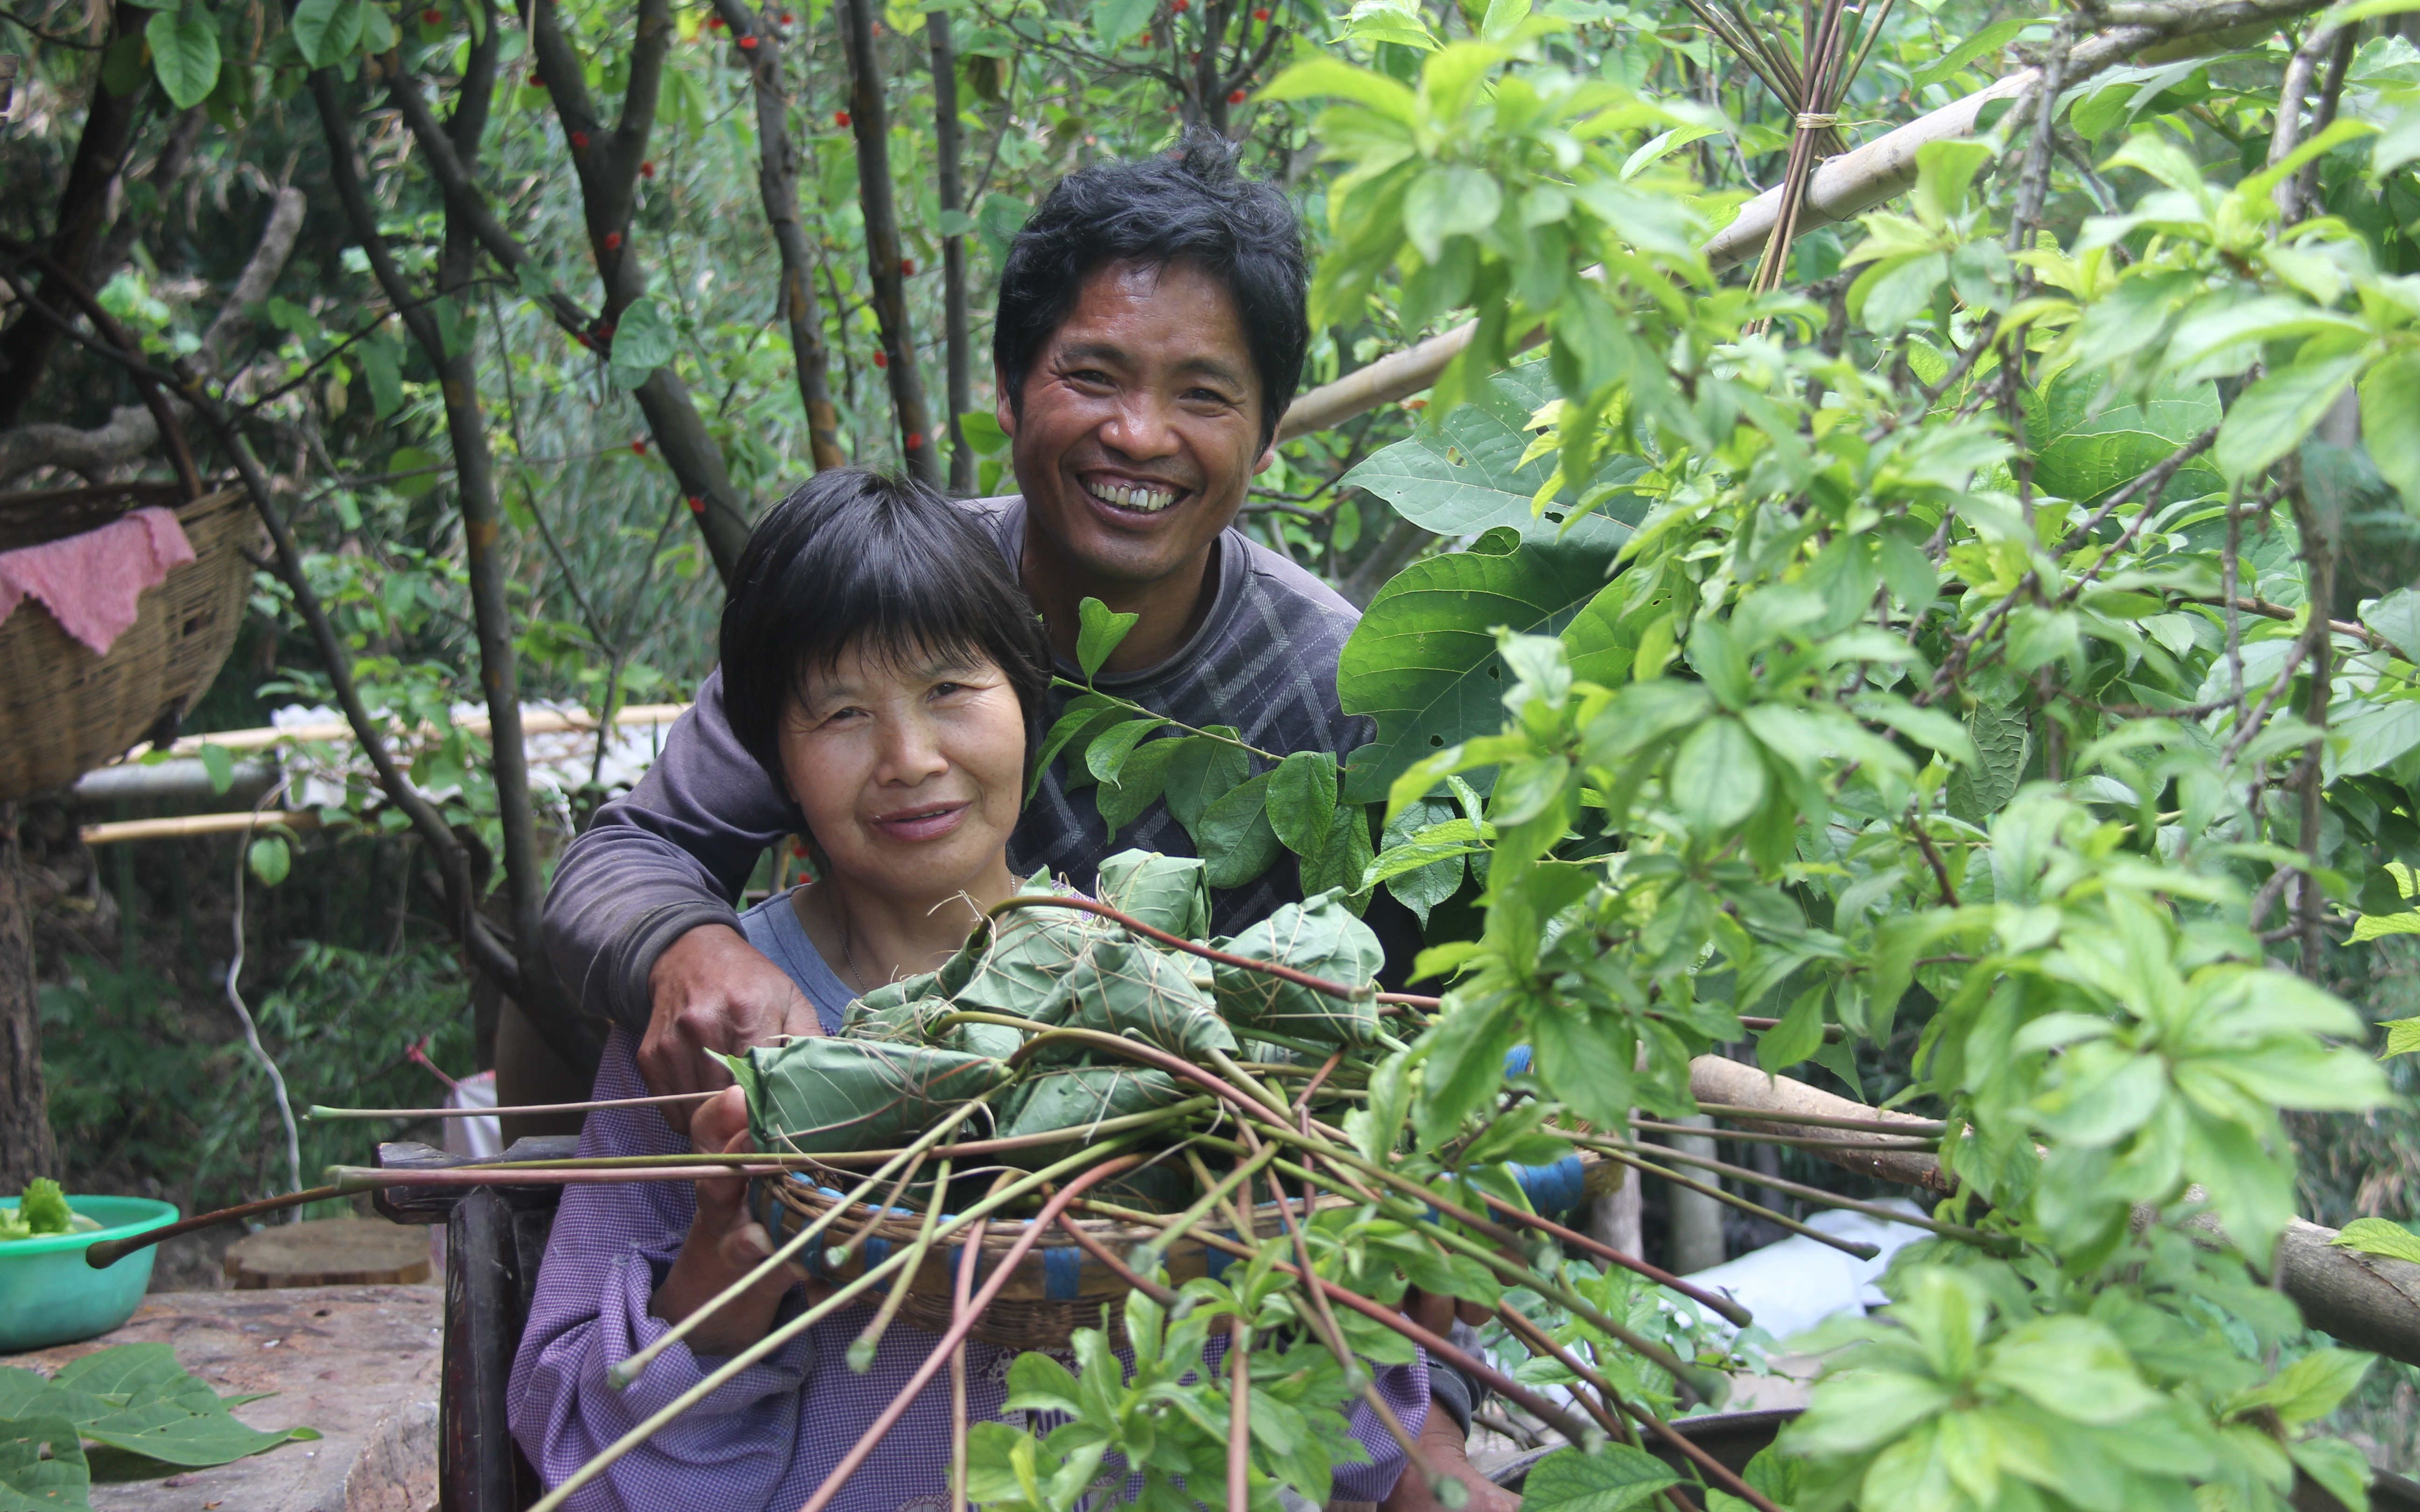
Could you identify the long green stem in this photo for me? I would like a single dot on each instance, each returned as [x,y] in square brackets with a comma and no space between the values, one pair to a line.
[861,1348]
[1998,1244]
[1213,1193]
[623,1372]
[786,1331]
[1846,1246]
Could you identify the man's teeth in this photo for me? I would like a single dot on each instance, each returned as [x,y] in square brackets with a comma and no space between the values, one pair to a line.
[1148,500]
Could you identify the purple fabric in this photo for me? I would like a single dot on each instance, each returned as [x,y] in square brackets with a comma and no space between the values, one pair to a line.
[768,1438]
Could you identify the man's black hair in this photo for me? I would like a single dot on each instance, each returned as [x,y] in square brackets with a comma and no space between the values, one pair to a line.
[854,558]
[1189,206]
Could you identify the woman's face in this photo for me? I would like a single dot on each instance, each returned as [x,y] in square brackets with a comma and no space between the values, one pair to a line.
[909,770]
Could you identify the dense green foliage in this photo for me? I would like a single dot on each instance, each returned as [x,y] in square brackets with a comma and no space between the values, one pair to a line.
[1996,646]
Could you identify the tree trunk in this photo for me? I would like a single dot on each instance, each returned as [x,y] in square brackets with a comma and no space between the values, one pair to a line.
[608,170]
[25,1147]
[947,148]
[870,120]
[776,184]
[26,346]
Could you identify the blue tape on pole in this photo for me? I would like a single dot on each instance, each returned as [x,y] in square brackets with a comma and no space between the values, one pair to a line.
[876,1251]
[1062,1271]
[1553,1190]
[1516,1060]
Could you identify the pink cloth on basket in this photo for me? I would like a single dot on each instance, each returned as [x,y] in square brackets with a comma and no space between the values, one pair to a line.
[91,583]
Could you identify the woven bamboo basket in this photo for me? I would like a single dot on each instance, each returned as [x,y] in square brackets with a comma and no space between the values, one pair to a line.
[1056,1289]
[64,710]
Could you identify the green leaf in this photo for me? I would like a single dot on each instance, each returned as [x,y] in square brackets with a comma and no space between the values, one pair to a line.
[1334,78]
[1236,837]
[426,470]
[1107,755]
[1615,1477]
[1102,628]
[2308,1389]
[1453,200]
[2002,740]
[2082,450]
[1717,777]
[2381,1236]
[1467,475]
[1140,779]
[1114,21]
[2396,616]
[219,762]
[385,378]
[42,1466]
[981,428]
[1302,802]
[2270,418]
[643,340]
[1423,661]
[326,32]
[184,52]
[1504,18]
[2390,397]
[1987,42]
[1200,771]
[1798,1035]
[271,858]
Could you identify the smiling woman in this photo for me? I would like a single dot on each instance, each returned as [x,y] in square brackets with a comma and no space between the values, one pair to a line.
[885,670]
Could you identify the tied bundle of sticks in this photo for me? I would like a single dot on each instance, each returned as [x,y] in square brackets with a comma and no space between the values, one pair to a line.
[1252,1139]
[1812,85]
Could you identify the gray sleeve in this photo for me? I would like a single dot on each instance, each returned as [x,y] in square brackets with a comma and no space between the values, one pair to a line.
[662,859]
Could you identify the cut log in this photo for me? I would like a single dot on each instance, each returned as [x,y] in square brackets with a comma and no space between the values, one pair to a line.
[2365,1301]
[333,1252]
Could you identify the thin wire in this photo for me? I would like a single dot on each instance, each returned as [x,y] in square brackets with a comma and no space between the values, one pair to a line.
[251,1029]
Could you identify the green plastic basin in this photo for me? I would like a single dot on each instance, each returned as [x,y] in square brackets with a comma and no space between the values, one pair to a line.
[48,1295]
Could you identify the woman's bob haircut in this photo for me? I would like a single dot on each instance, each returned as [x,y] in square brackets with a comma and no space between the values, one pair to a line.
[859,559]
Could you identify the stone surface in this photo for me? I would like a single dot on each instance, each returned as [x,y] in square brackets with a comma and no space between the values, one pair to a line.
[359,1364]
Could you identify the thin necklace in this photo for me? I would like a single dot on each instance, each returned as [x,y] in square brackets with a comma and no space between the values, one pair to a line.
[848,954]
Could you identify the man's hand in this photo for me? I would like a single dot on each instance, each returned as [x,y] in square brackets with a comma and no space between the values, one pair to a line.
[711,990]
[1441,1441]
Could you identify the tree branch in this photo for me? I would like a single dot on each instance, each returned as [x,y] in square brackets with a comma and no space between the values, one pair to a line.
[870,120]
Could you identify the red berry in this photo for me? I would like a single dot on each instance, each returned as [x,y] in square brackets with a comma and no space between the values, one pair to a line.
[432,15]
[747,45]
[839,117]
[1260,12]
[605,329]
[915,440]
[646,170]
[907,267]
[1180,7]
[1235,98]
[580,140]
[881,359]
[638,446]
[788,19]
[714,24]
[697,506]
[612,241]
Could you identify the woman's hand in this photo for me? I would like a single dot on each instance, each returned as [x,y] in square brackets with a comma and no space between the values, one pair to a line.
[724,1243]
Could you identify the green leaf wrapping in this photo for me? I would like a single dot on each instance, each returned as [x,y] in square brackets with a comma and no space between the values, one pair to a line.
[32,1479]
[1132,990]
[820,1095]
[1321,937]
[1166,893]
[1077,1097]
[1031,949]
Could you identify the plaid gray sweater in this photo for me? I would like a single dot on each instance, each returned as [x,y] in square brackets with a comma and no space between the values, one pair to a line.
[673,852]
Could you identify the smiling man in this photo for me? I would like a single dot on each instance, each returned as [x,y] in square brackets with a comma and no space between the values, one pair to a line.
[1150,334]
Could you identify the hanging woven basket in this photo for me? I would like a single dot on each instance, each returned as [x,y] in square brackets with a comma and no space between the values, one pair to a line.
[65,710]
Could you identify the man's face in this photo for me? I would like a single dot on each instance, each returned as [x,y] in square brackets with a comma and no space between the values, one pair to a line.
[1141,425]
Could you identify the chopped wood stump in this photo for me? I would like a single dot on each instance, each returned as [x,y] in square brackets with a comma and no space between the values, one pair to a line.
[329,1252]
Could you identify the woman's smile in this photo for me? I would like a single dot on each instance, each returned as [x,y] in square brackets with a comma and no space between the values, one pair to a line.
[929,821]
